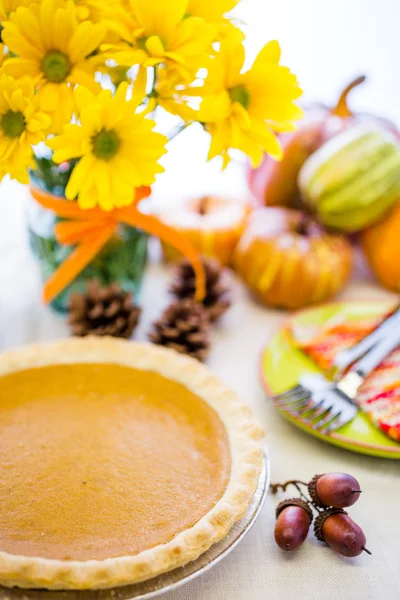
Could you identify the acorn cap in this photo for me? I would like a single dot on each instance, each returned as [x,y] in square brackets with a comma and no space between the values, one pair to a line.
[320,520]
[312,490]
[294,502]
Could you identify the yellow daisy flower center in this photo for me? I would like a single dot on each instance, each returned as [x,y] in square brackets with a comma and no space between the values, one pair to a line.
[56,66]
[106,144]
[13,123]
[240,94]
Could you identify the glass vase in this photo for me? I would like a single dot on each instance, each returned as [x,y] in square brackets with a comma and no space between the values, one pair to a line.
[122,259]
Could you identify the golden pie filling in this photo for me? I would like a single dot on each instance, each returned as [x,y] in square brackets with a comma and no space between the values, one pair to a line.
[99,461]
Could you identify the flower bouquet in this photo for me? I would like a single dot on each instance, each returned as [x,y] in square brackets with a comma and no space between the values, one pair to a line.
[81,85]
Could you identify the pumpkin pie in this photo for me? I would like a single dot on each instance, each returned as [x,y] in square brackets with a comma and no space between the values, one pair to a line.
[119,461]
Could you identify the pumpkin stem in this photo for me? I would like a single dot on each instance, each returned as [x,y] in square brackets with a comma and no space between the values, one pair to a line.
[342,109]
[203,205]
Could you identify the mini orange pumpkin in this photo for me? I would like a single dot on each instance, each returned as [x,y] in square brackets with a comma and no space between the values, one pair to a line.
[381,244]
[213,225]
[289,261]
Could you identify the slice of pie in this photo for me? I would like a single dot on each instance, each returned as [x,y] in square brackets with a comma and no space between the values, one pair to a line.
[118,462]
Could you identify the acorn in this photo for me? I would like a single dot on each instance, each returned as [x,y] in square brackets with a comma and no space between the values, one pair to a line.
[334,527]
[293,520]
[334,489]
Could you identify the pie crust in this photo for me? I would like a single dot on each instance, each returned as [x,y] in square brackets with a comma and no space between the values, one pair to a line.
[245,439]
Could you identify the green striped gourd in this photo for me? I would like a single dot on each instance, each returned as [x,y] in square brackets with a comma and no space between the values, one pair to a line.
[353,179]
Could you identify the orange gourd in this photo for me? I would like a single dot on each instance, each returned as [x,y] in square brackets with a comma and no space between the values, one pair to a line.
[381,245]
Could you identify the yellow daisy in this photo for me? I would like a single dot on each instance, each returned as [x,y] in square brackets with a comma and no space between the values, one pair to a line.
[215,12]
[242,110]
[9,6]
[210,10]
[99,11]
[52,47]
[118,149]
[161,32]
[117,73]
[173,94]
[21,126]
[95,10]
[3,54]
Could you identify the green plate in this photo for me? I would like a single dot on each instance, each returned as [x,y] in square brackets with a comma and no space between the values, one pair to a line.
[282,365]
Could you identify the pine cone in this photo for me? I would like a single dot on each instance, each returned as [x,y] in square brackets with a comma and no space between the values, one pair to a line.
[184,327]
[218,294]
[103,311]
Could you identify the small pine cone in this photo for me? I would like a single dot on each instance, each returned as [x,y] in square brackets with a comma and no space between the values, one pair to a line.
[103,311]
[184,327]
[218,293]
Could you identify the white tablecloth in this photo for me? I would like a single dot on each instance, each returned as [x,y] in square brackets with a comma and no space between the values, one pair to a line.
[257,569]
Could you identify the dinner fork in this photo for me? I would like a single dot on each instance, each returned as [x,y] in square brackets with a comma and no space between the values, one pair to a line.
[327,405]
[347,357]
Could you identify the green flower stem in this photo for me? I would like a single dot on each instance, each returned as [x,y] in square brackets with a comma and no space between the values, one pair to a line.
[177,130]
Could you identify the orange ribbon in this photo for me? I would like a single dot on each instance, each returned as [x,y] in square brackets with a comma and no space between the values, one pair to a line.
[89,230]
